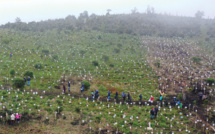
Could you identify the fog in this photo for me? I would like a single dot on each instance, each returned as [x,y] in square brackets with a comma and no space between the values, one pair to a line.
[37,10]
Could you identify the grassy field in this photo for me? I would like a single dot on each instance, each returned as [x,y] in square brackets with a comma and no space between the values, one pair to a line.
[115,62]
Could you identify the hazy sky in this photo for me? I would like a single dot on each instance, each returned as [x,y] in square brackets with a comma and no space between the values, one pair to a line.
[36,10]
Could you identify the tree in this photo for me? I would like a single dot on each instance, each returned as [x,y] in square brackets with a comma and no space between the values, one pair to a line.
[150,10]
[199,14]
[108,11]
[17,20]
[133,11]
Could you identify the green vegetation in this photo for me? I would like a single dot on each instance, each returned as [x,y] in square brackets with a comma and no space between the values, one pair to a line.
[18,83]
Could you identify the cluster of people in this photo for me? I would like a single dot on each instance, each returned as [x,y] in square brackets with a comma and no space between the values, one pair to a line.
[94,95]
[154,112]
[27,80]
[13,117]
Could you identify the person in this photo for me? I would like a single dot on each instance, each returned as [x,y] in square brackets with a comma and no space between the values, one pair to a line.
[156,110]
[151,99]
[69,86]
[204,96]
[174,100]
[96,94]
[116,96]
[64,88]
[161,99]
[200,96]
[18,117]
[28,80]
[11,54]
[123,96]
[108,94]
[152,113]
[12,119]
[178,102]
[24,80]
[82,87]
[92,95]
[129,97]
[140,96]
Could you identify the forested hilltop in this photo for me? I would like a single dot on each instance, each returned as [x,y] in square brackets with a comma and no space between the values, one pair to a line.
[144,24]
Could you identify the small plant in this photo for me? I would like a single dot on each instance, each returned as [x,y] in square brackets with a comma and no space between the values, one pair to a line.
[18,83]
[86,84]
[210,81]
[12,72]
[105,57]
[116,50]
[196,59]
[157,63]
[111,65]
[77,110]
[28,73]
[180,96]
[45,51]
[55,57]
[38,66]
[95,63]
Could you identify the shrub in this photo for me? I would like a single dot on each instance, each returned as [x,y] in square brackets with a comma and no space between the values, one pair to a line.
[111,65]
[5,41]
[55,57]
[196,59]
[210,81]
[19,83]
[12,72]
[77,110]
[105,57]
[28,73]
[38,66]
[95,63]
[180,96]
[157,64]
[45,51]
[116,50]
[86,84]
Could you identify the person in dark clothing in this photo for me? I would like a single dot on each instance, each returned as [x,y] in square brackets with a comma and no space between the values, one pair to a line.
[96,94]
[123,96]
[25,80]
[69,86]
[92,95]
[200,96]
[64,88]
[11,54]
[156,110]
[152,112]
[116,96]
[82,87]
[109,95]
[140,96]
[174,101]
[129,97]
[28,79]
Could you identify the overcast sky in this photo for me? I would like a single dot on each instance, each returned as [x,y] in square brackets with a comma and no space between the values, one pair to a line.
[36,10]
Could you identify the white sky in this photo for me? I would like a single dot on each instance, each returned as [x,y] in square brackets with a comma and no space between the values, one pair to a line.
[36,10]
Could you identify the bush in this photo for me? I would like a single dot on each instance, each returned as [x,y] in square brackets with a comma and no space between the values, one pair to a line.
[196,59]
[95,63]
[12,72]
[116,50]
[105,57]
[19,83]
[45,51]
[86,84]
[38,66]
[180,96]
[77,110]
[111,65]
[157,64]
[55,57]
[210,81]
[28,73]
